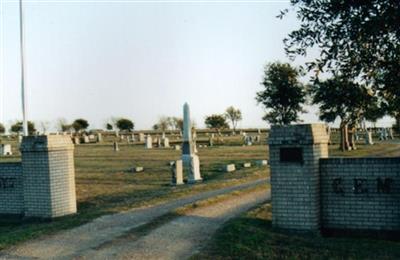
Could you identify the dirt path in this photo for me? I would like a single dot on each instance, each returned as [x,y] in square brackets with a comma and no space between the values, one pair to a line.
[180,238]
[89,238]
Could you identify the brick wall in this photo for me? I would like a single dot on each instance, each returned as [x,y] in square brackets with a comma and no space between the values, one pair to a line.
[11,195]
[360,193]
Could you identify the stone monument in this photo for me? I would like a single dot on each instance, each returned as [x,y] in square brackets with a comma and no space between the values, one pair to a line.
[191,162]
[149,142]
[5,149]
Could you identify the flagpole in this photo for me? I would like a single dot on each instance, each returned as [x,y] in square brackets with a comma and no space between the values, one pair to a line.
[21,34]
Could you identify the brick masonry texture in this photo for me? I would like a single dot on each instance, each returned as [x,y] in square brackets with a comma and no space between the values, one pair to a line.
[295,185]
[45,179]
[354,195]
[11,189]
[330,193]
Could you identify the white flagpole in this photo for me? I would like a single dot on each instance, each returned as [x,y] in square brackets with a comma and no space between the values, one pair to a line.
[21,34]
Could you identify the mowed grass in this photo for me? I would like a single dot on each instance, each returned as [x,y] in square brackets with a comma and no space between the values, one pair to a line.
[251,236]
[105,183]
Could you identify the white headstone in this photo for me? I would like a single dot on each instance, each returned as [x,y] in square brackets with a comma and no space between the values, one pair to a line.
[166,142]
[177,172]
[149,142]
[116,147]
[5,149]
[230,168]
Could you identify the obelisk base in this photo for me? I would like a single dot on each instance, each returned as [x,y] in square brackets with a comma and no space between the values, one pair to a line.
[191,165]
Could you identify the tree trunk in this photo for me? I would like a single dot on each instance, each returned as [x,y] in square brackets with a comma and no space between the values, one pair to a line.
[344,137]
[351,135]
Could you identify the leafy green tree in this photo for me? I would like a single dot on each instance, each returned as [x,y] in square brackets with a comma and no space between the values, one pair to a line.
[343,99]
[234,115]
[216,121]
[283,94]
[2,129]
[80,124]
[125,124]
[109,126]
[357,39]
[18,127]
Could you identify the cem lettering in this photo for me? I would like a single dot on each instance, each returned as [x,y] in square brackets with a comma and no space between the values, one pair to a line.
[7,183]
[383,185]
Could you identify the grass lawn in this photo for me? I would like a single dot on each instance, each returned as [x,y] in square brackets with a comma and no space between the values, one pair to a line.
[251,236]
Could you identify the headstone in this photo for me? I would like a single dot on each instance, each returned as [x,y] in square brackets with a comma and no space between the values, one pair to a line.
[138,169]
[190,160]
[116,147]
[211,142]
[262,162]
[5,149]
[248,140]
[159,143]
[177,147]
[230,168]
[141,137]
[166,142]
[177,172]
[85,139]
[19,138]
[76,140]
[99,138]
[246,165]
[133,138]
[149,142]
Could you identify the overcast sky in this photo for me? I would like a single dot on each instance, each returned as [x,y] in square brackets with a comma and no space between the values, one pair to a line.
[140,60]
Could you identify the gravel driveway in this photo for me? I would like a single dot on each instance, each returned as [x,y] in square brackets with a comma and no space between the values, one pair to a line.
[178,238]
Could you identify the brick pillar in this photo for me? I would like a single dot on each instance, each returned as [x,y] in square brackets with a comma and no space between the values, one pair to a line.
[295,151]
[48,176]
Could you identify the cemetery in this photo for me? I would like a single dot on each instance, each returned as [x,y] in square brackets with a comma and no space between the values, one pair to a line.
[200,130]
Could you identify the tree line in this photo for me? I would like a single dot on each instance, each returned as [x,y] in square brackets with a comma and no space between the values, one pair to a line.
[355,78]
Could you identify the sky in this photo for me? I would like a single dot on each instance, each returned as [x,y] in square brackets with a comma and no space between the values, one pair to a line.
[140,59]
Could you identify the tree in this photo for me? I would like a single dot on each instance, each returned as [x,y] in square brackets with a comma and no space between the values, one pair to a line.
[18,127]
[80,124]
[357,39]
[125,124]
[62,125]
[164,123]
[283,94]
[2,129]
[216,121]
[234,115]
[44,126]
[339,97]
[109,127]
